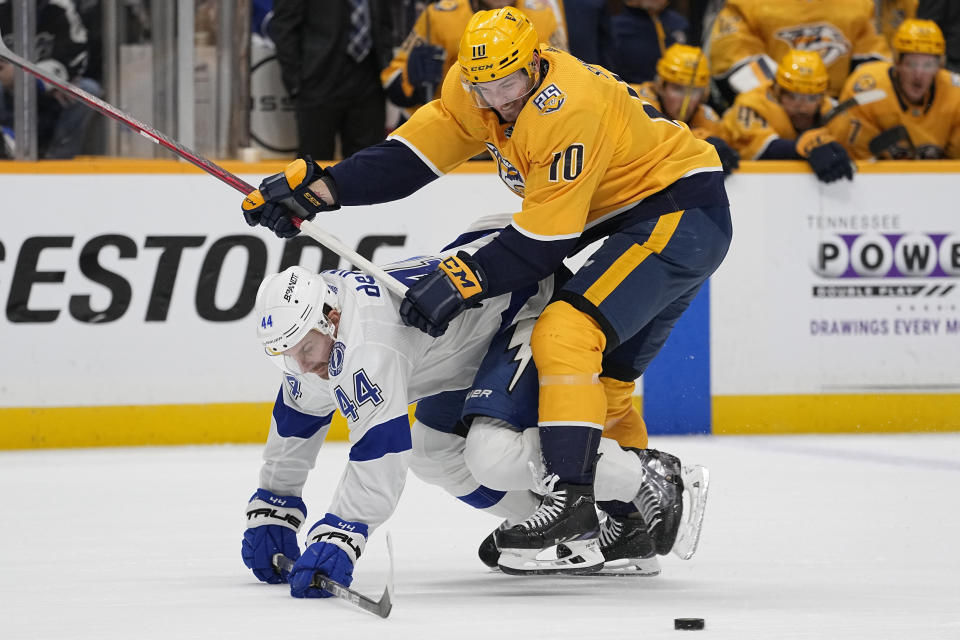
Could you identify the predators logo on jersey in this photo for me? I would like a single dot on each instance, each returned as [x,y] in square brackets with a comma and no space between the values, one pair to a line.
[550,99]
[508,173]
[822,38]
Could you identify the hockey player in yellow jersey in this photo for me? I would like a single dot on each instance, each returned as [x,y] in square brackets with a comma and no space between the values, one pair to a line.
[679,90]
[416,72]
[749,36]
[591,160]
[892,13]
[920,117]
[783,120]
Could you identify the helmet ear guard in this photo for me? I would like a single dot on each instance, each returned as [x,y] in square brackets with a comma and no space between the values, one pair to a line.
[289,305]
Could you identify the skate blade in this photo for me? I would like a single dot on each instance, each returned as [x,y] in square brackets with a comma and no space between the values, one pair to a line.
[573,557]
[696,484]
[635,567]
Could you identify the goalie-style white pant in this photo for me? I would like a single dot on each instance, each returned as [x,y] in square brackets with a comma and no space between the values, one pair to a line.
[438,459]
[498,456]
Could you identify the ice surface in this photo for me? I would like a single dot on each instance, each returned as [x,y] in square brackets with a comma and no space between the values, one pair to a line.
[805,537]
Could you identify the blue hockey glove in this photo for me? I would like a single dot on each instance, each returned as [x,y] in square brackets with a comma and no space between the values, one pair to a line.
[436,299]
[729,158]
[288,194]
[334,547]
[272,525]
[425,65]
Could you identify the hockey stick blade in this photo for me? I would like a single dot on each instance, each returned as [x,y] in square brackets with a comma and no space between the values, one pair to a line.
[864,97]
[312,229]
[381,607]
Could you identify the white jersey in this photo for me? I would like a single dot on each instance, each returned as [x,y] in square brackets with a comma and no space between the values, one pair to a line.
[377,368]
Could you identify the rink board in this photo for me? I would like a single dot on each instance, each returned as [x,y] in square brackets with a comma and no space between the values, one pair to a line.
[128,289]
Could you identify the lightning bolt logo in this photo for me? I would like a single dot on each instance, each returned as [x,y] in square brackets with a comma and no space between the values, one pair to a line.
[521,342]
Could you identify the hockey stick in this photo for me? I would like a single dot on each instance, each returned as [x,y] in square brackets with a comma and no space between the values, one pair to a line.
[864,97]
[886,140]
[309,227]
[381,607]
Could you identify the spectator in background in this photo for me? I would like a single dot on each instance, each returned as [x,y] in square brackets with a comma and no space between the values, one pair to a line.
[748,36]
[946,13]
[415,74]
[920,116]
[678,91]
[330,56]
[588,24]
[892,13]
[60,48]
[784,120]
[642,30]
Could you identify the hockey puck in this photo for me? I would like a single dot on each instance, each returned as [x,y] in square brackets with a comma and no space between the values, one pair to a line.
[688,623]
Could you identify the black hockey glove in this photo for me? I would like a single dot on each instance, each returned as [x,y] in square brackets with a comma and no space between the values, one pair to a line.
[288,194]
[830,162]
[425,65]
[729,158]
[436,299]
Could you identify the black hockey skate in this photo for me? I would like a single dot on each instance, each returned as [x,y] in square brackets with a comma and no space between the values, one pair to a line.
[671,500]
[628,548]
[488,552]
[562,536]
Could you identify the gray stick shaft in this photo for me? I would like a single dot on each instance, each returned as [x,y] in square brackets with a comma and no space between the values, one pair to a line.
[381,608]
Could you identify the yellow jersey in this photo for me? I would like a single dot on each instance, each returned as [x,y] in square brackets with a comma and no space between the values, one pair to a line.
[588,155]
[843,32]
[892,13]
[933,127]
[442,23]
[757,119]
[705,122]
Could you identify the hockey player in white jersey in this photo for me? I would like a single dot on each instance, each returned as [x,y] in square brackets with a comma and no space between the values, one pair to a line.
[338,338]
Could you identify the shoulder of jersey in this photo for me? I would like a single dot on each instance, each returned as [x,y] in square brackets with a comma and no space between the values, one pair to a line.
[870,76]
[948,78]
[755,98]
[565,73]
[446,5]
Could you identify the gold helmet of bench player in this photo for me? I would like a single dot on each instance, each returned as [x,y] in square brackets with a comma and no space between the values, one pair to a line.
[802,72]
[918,36]
[684,65]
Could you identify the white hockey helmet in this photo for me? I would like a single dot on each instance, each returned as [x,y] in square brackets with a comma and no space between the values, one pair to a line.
[289,305]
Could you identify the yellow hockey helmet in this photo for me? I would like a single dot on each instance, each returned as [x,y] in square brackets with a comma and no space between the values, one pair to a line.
[919,36]
[495,44]
[683,64]
[802,72]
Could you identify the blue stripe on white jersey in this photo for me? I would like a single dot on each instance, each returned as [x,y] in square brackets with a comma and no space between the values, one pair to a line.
[483,497]
[392,436]
[293,423]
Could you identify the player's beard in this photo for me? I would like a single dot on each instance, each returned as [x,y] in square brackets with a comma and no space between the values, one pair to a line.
[511,111]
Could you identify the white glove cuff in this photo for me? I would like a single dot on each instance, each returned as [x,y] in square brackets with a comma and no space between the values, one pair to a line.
[260,513]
